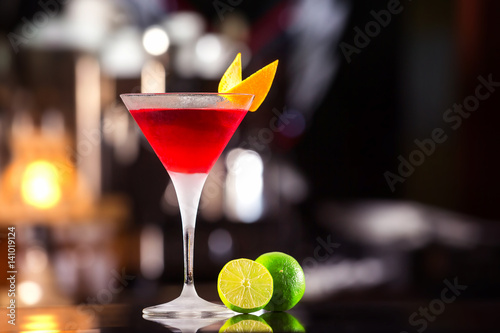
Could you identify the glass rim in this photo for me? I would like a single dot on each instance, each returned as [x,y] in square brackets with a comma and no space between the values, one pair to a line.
[185,94]
[183,100]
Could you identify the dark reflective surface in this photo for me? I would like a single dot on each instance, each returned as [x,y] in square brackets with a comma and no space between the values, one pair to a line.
[387,316]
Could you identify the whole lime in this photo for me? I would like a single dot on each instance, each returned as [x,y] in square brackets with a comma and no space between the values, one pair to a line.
[245,323]
[282,322]
[289,282]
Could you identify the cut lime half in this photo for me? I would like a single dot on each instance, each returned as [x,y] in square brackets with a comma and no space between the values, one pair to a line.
[244,285]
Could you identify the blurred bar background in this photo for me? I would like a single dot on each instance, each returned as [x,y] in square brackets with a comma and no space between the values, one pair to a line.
[373,160]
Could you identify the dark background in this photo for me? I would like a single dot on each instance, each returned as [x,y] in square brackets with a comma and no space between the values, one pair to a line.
[364,119]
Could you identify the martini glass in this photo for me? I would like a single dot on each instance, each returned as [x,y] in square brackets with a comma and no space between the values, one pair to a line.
[188,132]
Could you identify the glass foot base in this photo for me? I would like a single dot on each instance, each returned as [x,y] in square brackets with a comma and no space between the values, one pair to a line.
[188,305]
[185,325]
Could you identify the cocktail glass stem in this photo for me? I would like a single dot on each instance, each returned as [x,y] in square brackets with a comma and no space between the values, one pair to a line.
[188,305]
[188,188]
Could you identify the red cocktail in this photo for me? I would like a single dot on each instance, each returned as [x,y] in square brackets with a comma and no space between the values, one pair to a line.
[188,140]
[188,132]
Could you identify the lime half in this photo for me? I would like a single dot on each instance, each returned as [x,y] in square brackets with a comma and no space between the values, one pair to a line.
[289,280]
[245,323]
[245,285]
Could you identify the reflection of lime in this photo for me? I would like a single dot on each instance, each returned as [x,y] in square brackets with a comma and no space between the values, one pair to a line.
[245,323]
[244,285]
[283,322]
[288,277]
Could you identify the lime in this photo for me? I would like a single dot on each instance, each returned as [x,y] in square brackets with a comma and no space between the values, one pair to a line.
[288,280]
[244,285]
[282,322]
[245,323]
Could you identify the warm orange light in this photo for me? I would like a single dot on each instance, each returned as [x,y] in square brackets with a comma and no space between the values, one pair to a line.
[40,186]
[41,323]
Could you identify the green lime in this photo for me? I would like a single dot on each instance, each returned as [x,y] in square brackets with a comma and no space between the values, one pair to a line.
[245,323]
[244,285]
[283,322]
[289,282]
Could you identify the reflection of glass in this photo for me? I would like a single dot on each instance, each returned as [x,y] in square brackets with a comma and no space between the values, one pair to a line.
[188,132]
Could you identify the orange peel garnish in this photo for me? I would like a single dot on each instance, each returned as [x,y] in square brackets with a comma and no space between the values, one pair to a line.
[232,76]
[258,84]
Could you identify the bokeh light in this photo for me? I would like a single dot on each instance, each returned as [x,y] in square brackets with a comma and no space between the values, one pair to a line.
[155,41]
[30,292]
[208,48]
[40,185]
[245,185]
